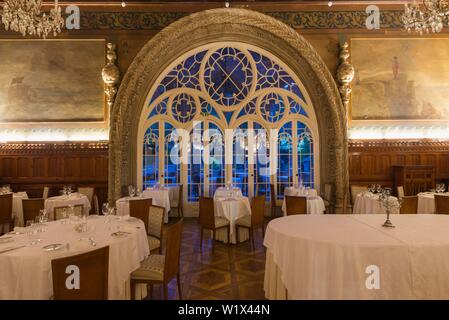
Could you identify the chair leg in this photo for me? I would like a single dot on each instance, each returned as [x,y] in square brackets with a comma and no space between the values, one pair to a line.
[201,240]
[229,235]
[179,286]
[237,237]
[213,240]
[252,239]
[133,290]
[165,291]
[149,291]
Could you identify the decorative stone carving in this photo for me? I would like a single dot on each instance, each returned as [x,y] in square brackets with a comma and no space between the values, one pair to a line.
[229,25]
[111,75]
[345,74]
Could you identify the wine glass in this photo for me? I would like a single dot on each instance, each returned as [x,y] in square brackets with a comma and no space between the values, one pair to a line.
[105,209]
[131,191]
[378,188]
[138,192]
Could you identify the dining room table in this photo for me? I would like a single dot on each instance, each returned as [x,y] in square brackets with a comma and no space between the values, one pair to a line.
[368,203]
[26,253]
[315,204]
[426,201]
[159,196]
[232,207]
[354,257]
[66,200]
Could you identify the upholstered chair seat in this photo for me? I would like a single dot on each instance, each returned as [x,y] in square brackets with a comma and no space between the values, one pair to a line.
[152,268]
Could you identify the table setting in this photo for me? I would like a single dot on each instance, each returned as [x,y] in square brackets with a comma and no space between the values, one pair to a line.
[68,198]
[230,203]
[374,201]
[159,194]
[26,252]
[315,204]
[426,200]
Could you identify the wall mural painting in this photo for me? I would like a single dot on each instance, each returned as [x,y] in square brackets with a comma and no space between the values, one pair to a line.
[400,79]
[53,80]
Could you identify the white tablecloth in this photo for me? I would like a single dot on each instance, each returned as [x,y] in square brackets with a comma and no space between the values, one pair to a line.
[368,203]
[17,210]
[296,191]
[327,256]
[222,192]
[62,201]
[26,272]
[426,202]
[232,209]
[160,197]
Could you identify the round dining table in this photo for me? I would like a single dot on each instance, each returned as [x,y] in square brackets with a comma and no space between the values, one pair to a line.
[315,204]
[160,197]
[26,267]
[232,208]
[426,201]
[354,257]
[72,199]
[368,203]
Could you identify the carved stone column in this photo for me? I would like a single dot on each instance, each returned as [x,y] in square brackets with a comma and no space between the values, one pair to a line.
[345,75]
[111,75]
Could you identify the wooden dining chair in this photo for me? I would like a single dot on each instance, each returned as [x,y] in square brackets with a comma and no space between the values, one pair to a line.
[356,190]
[31,208]
[400,191]
[178,205]
[161,269]
[140,208]
[253,221]
[273,205]
[441,204]
[45,193]
[91,269]
[63,212]
[96,205]
[409,205]
[327,197]
[88,192]
[209,221]
[6,217]
[295,205]
[155,226]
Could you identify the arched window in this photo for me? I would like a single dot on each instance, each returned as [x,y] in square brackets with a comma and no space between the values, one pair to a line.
[219,87]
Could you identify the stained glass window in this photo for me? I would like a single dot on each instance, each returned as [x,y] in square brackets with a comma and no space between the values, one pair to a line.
[229,86]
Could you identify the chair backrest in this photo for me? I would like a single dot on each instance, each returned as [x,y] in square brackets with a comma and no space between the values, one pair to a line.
[441,204]
[45,193]
[328,192]
[88,192]
[180,196]
[140,208]
[409,205]
[295,205]
[64,211]
[257,211]
[93,269]
[400,191]
[5,208]
[207,215]
[156,221]
[173,248]
[96,205]
[355,190]
[272,196]
[31,208]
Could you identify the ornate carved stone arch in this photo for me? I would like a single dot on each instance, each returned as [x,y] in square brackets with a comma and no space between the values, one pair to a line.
[228,25]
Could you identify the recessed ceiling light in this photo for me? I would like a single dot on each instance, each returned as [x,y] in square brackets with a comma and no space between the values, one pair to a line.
[330,3]
[123,4]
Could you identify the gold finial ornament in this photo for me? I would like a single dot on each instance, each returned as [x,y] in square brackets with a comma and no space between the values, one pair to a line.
[110,74]
[345,74]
